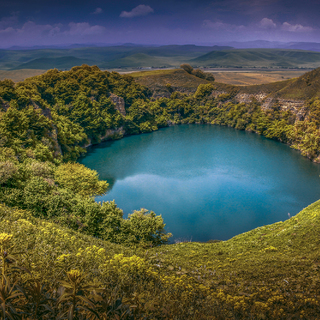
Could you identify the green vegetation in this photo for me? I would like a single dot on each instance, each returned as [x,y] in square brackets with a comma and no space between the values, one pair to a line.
[254,58]
[271,272]
[104,57]
[178,79]
[65,256]
[157,57]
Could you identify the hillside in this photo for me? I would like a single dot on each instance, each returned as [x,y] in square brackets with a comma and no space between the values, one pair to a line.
[129,57]
[51,63]
[303,88]
[104,57]
[178,79]
[267,58]
[139,60]
[271,272]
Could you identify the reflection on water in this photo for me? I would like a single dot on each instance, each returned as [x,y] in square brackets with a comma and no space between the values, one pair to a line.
[208,182]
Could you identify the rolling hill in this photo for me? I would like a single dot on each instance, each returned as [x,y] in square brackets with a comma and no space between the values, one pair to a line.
[164,56]
[51,63]
[304,87]
[267,58]
[104,57]
[139,60]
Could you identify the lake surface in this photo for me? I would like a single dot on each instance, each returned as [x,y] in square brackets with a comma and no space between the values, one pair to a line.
[207,182]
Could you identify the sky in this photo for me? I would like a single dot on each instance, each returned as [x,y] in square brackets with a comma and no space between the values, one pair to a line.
[201,22]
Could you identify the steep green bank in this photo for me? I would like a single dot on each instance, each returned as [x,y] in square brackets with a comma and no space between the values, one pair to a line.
[46,121]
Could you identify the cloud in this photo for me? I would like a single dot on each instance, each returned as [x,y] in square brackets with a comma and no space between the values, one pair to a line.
[36,34]
[295,27]
[140,10]
[221,26]
[266,23]
[97,11]
[84,28]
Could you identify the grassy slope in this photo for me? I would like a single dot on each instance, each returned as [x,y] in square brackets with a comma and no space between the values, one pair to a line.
[51,63]
[274,267]
[304,87]
[130,56]
[259,58]
[177,78]
[104,57]
[20,75]
[140,60]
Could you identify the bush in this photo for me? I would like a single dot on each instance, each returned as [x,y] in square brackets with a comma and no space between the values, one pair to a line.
[79,179]
[186,67]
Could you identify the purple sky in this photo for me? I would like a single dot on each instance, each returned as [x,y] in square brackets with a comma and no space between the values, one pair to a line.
[62,22]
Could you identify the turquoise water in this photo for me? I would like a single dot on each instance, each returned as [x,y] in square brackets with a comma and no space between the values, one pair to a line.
[207,182]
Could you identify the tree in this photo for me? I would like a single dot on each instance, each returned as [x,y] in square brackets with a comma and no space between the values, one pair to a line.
[146,228]
[79,179]
[186,67]
[203,90]
[199,73]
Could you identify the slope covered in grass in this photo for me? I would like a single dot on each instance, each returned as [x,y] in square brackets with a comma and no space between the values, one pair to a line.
[271,272]
[139,60]
[51,63]
[267,58]
[178,79]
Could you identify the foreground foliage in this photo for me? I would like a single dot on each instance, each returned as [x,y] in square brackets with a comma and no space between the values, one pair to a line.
[271,272]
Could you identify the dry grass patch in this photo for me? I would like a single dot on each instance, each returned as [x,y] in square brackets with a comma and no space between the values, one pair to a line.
[20,75]
[255,78]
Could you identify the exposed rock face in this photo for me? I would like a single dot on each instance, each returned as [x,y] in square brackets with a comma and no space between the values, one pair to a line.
[216,93]
[119,103]
[295,106]
[246,97]
[109,135]
[4,106]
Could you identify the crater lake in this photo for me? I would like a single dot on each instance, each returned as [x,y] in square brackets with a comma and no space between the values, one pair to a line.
[208,182]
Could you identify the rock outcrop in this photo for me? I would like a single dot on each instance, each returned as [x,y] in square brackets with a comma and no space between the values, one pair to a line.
[110,134]
[247,98]
[119,103]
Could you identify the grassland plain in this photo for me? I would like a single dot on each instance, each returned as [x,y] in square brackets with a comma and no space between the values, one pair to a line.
[20,75]
[251,77]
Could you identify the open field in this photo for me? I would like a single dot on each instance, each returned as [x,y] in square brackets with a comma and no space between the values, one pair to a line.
[159,78]
[247,78]
[20,75]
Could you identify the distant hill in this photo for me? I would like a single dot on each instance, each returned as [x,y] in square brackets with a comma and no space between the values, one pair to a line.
[309,46]
[134,57]
[139,60]
[51,63]
[103,57]
[267,58]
